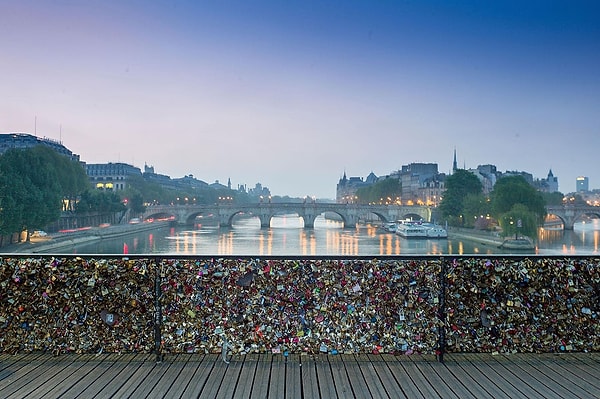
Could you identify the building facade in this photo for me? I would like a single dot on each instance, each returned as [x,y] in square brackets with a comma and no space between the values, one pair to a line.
[347,187]
[111,176]
[582,184]
[24,140]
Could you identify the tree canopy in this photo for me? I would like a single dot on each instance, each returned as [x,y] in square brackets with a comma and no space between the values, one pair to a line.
[33,184]
[384,190]
[460,185]
[517,206]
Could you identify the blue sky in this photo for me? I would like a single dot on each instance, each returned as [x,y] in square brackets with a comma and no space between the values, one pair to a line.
[292,94]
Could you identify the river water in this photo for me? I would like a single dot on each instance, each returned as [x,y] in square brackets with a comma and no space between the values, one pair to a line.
[287,237]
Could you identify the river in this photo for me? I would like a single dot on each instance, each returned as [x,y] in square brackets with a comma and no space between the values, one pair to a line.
[287,237]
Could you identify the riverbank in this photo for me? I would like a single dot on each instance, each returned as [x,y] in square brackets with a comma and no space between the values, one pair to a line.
[492,239]
[478,236]
[61,241]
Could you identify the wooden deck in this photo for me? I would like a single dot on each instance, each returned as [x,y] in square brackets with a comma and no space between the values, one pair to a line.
[301,376]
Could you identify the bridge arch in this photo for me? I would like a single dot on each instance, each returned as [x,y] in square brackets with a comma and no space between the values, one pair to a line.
[349,213]
[570,214]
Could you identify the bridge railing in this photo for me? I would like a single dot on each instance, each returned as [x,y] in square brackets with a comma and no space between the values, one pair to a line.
[396,305]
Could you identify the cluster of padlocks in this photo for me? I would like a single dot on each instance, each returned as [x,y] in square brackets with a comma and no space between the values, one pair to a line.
[390,305]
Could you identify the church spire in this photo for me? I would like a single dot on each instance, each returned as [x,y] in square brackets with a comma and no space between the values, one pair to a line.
[454,165]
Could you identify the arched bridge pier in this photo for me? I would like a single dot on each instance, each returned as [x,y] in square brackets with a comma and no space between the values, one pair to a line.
[349,213]
[570,214]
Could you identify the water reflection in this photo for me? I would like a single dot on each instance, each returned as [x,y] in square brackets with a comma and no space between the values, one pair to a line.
[287,237]
[584,238]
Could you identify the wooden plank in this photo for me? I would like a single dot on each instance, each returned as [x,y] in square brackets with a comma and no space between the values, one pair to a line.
[325,377]
[481,375]
[110,375]
[262,376]
[310,383]
[424,385]
[215,379]
[161,384]
[340,377]
[511,385]
[56,378]
[403,378]
[381,366]
[478,383]
[485,364]
[365,379]
[293,377]
[246,379]
[231,377]
[127,382]
[67,383]
[430,373]
[24,377]
[200,377]
[180,384]
[585,376]
[10,363]
[444,381]
[38,378]
[583,364]
[563,377]
[530,376]
[277,380]
[538,377]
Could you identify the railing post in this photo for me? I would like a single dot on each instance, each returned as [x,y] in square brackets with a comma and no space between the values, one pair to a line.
[441,313]
[157,311]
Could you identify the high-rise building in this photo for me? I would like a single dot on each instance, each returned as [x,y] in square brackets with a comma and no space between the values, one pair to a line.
[582,184]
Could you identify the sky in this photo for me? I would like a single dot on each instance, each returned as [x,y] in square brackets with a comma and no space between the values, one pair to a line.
[293,94]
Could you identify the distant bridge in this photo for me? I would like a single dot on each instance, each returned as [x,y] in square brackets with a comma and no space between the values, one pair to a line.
[569,214]
[349,213]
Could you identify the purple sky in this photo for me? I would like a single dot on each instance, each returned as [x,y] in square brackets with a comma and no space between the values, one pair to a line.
[293,93]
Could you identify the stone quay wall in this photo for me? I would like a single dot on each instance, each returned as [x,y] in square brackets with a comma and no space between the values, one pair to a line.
[392,305]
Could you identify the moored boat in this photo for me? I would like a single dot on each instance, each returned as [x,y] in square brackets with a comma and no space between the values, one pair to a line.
[437,232]
[420,230]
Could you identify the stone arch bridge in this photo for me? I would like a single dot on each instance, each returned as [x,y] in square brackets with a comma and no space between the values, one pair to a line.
[349,213]
[569,214]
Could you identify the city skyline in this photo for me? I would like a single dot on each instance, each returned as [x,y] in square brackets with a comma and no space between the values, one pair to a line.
[294,94]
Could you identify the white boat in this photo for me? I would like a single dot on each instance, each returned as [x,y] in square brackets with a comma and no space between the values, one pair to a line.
[420,230]
[437,232]
[411,230]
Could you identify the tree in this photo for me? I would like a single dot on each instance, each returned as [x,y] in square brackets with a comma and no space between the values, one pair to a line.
[512,190]
[517,205]
[555,198]
[136,203]
[387,188]
[33,183]
[519,221]
[458,186]
[476,211]
[99,201]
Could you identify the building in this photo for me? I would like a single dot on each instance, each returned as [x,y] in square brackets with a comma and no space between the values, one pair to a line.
[24,140]
[547,185]
[111,176]
[582,184]
[487,175]
[347,187]
[421,183]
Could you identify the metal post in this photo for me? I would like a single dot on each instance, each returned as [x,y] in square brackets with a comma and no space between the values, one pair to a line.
[157,311]
[442,313]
